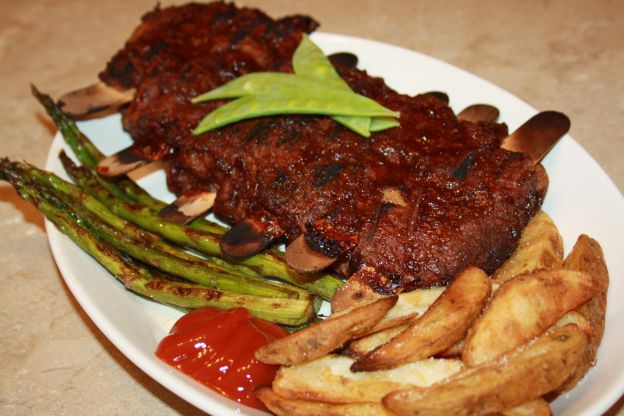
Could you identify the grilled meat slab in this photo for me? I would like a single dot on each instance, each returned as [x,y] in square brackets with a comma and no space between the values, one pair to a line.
[458,199]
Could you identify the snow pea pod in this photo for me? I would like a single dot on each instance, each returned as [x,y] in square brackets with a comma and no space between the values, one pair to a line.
[257,83]
[309,60]
[383,123]
[264,82]
[322,101]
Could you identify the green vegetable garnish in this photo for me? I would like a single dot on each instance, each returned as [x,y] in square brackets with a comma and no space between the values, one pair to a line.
[256,83]
[314,88]
[310,61]
[295,100]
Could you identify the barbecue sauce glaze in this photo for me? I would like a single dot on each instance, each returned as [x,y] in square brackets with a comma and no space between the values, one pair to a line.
[217,348]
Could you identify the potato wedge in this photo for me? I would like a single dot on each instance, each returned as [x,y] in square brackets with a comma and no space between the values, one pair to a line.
[521,376]
[537,407]
[292,407]
[540,248]
[454,350]
[444,323]
[330,380]
[408,307]
[523,308]
[572,317]
[587,256]
[322,338]
[362,346]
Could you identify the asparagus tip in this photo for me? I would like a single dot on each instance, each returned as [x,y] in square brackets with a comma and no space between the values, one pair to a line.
[51,107]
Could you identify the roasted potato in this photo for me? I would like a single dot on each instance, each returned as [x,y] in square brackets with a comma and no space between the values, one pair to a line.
[362,346]
[540,248]
[523,308]
[320,339]
[293,407]
[523,375]
[330,380]
[587,256]
[408,307]
[441,326]
[454,350]
[572,317]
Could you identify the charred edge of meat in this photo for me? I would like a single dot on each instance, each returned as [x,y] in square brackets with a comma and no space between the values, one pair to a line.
[381,283]
[317,241]
[345,59]
[172,213]
[119,73]
[442,96]
[128,156]
[244,239]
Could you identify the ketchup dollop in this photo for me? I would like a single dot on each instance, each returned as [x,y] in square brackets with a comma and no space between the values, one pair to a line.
[216,348]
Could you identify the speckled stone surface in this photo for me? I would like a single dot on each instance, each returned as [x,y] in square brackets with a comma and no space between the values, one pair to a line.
[564,55]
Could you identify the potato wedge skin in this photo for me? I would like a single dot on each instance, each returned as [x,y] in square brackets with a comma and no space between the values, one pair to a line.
[540,248]
[521,376]
[330,380]
[523,308]
[362,346]
[441,326]
[454,350]
[587,256]
[292,407]
[409,306]
[318,340]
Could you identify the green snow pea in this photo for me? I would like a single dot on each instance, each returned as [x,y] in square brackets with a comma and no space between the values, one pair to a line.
[309,60]
[264,82]
[294,100]
[257,83]
[383,123]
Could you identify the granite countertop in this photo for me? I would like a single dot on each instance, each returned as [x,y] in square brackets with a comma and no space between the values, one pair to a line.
[560,54]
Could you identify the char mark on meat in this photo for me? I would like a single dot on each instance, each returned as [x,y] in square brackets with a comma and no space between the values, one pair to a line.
[463,198]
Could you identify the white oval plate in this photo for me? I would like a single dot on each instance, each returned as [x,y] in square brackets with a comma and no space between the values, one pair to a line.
[581,199]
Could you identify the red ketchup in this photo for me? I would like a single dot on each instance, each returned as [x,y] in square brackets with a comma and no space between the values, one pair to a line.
[216,348]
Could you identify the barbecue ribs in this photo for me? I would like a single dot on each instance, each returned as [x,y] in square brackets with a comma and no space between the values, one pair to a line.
[459,199]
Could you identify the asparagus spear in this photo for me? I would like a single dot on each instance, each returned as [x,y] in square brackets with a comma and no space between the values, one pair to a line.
[175,261]
[195,270]
[138,279]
